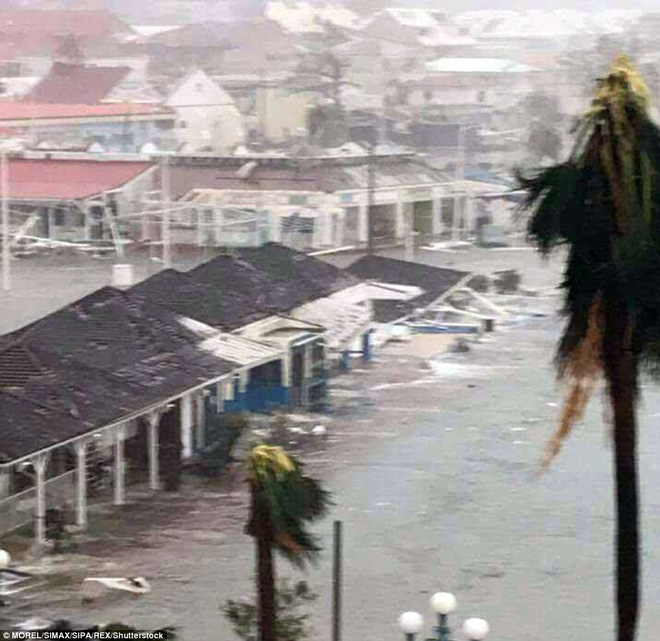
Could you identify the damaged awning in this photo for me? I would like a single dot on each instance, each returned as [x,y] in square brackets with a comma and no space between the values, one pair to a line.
[343,321]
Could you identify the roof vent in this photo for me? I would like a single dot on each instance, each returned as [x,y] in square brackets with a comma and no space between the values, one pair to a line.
[247,170]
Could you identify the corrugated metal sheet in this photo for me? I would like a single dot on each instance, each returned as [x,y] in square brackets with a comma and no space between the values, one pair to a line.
[343,322]
[231,347]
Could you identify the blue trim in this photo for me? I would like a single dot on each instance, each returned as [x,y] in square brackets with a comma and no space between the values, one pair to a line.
[259,398]
[446,329]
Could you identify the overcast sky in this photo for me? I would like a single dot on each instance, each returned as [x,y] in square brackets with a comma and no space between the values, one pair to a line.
[586,5]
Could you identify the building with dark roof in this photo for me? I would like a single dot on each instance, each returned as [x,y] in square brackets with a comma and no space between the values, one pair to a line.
[436,284]
[105,373]
[234,290]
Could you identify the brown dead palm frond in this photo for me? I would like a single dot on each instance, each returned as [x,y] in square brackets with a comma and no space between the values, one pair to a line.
[581,372]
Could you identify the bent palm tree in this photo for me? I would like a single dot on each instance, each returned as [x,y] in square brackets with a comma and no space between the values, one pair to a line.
[603,203]
[283,501]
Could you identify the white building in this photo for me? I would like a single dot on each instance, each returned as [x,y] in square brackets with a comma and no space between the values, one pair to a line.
[207,116]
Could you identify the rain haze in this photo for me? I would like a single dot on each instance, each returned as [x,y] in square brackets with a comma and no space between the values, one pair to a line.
[330,319]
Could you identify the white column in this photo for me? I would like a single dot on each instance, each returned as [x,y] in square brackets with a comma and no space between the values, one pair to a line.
[409,213]
[400,219]
[286,369]
[154,461]
[456,217]
[469,214]
[308,371]
[340,230]
[40,463]
[219,226]
[436,222]
[201,421]
[244,377]
[81,483]
[220,395]
[120,466]
[363,224]
[275,227]
[186,419]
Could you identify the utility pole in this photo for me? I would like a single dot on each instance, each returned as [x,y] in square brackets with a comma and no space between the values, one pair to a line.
[336,580]
[6,247]
[166,196]
[371,186]
[458,176]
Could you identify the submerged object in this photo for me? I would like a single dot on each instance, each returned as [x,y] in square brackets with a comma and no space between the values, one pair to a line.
[98,587]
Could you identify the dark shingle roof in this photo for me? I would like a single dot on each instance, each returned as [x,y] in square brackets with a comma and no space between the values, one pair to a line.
[28,427]
[92,363]
[387,311]
[232,291]
[435,281]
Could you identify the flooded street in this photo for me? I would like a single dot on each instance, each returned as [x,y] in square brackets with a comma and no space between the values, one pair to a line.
[433,473]
[432,464]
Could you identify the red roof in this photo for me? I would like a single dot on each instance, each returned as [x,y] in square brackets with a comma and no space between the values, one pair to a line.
[39,32]
[76,84]
[27,111]
[37,179]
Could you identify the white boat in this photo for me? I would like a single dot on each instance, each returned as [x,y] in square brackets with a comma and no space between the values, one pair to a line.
[98,587]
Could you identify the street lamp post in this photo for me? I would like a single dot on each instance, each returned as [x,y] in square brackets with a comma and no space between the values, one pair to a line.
[411,623]
[442,604]
[476,629]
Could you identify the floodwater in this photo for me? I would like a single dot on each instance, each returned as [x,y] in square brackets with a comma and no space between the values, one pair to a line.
[433,468]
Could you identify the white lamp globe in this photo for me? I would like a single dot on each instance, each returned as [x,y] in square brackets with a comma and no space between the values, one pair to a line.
[5,559]
[476,629]
[411,622]
[443,603]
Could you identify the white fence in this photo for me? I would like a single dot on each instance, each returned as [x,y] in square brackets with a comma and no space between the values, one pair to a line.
[19,509]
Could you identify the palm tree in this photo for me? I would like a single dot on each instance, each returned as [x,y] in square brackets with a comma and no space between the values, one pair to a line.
[283,501]
[603,204]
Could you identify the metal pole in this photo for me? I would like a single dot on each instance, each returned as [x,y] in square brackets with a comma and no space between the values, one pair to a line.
[459,176]
[443,628]
[409,213]
[165,184]
[371,185]
[336,581]
[6,248]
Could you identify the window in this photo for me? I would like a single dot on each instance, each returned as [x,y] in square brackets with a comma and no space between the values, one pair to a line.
[346,198]
[59,218]
[297,199]
[183,124]
[428,95]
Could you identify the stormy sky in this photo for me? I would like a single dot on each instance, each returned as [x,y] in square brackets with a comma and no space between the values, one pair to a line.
[585,5]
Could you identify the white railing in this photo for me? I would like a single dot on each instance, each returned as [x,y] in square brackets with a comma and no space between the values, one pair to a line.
[18,510]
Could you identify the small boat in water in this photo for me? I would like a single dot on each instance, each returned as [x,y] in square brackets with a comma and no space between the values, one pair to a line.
[98,587]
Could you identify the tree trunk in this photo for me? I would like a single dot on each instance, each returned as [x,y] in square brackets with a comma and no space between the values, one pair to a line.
[621,373]
[265,570]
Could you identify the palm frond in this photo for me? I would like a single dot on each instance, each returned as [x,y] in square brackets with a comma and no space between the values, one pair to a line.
[289,499]
[581,371]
